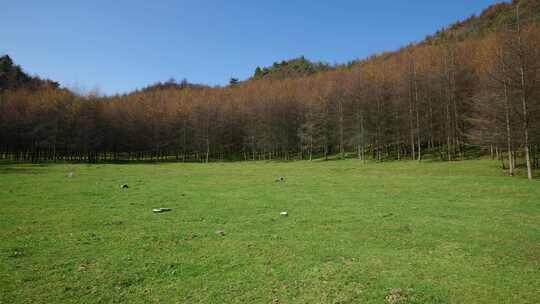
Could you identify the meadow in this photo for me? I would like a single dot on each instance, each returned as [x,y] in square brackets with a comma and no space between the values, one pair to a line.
[394,232]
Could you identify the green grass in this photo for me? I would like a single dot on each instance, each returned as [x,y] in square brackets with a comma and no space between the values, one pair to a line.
[441,232]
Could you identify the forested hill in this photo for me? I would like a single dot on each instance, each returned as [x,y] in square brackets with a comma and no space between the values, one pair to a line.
[290,68]
[492,19]
[13,77]
[441,98]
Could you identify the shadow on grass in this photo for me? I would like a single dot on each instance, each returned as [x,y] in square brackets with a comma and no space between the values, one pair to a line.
[20,170]
[13,167]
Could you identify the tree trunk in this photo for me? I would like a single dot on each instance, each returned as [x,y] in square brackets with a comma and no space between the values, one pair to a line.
[416,102]
[207,150]
[310,147]
[511,164]
[524,100]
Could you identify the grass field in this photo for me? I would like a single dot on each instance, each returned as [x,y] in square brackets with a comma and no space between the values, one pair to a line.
[434,232]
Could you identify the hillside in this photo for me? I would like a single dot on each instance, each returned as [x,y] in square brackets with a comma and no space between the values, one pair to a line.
[290,68]
[12,76]
[494,18]
[407,176]
[440,99]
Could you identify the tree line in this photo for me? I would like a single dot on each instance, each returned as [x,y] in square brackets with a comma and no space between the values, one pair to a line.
[438,100]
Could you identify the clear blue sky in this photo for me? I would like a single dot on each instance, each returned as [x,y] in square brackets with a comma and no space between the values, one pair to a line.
[118,45]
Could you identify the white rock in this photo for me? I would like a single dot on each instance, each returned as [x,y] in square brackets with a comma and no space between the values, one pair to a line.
[161,210]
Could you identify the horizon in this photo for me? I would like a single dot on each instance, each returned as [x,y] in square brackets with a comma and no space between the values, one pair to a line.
[121,48]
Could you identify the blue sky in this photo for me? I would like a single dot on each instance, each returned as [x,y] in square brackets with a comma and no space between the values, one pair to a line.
[118,46]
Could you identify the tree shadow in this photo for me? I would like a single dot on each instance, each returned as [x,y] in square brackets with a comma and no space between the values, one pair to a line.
[11,167]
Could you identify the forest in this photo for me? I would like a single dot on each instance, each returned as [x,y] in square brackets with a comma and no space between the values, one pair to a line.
[471,88]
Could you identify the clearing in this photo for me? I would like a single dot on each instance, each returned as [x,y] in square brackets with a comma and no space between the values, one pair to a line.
[397,232]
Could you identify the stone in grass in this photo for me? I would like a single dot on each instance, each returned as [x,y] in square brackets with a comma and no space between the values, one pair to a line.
[17,253]
[284,213]
[220,232]
[70,174]
[161,210]
[124,186]
[280,179]
[395,296]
